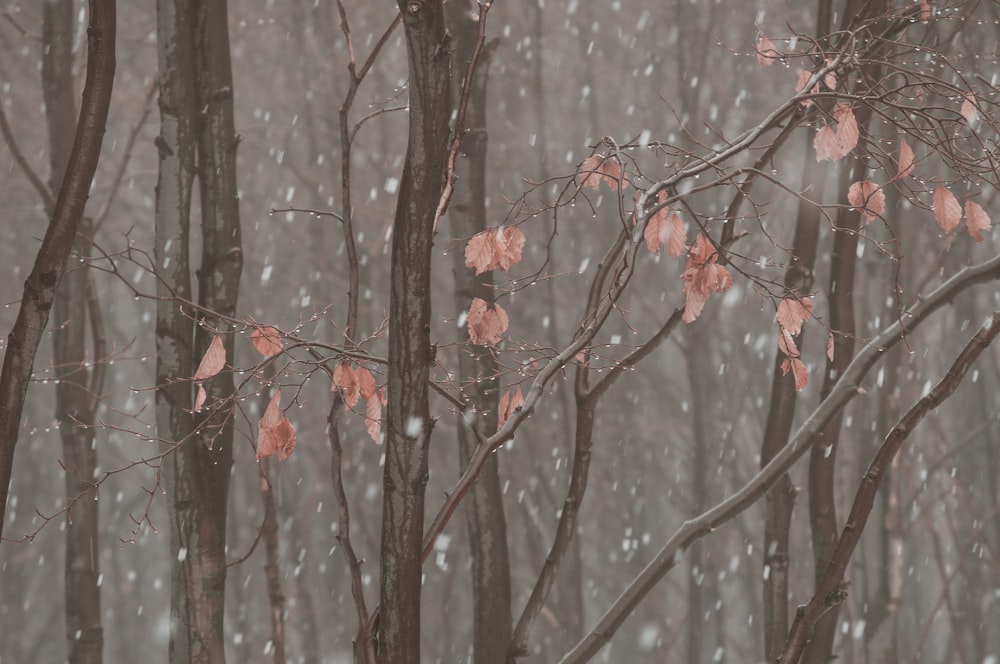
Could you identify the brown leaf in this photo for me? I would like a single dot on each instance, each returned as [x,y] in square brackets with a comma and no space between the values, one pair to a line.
[766,52]
[906,160]
[199,399]
[597,168]
[969,110]
[213,361]
[486,322]
[702,276]
[947,211]
[366,383]
[833,145]
[509,402]
[829,347]
[976,220]
[373,417]
[494,248]
[925,11]
[267,340]
[825,143]
[666,227]
[799,371]
[800,84]
[786,343]
[275,433]
[868,198]
[346,382]
[792,312]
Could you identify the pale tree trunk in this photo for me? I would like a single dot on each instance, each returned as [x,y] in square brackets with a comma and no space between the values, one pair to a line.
[77,386]
[197,138]
[478,369]
[50,261]
[408,422]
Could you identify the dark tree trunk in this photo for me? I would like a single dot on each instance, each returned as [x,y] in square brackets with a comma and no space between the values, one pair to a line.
[50,261]
[478,371]
[76,386]
[197,138]
[408,422]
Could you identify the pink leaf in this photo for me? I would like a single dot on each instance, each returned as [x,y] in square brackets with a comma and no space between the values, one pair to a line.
[906,162]
[199,400]
[373,417]
[792,312]
[366,383]
[829,347]
[868,198]
[486,322]
[969,110]
[267,340]
[766,53]
[702,276]
[947,211]
[799,372]
[346,382]
[275,433]
[213,361]
[976,220]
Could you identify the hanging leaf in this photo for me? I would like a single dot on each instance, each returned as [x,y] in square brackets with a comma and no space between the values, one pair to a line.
[766,52]
[792,312]
[868,198]
[267,340]
[947,211]
[969,110]
[366,383]
[829,347]
[213,361]
[702,276]
[199,399]
[799,372]
[346,382]
[275,434]
[373,416]
[800,85]
[665,227]
[509,402]
[976,220]
[597,168]
[486,322]
[906,161]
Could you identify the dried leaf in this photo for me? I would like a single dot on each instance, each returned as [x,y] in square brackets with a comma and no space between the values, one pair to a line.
[510,401]
[597,168]
[702,276]
[799,371]
[346,382]
[494,248]
[825,143]
[829,347]
[847,130]
[275,433]
[786,343]
[486,322]
[868,198]
[666,227]
[976,220]
[267,340]
[373,417]
[366,383]
[792,312]
[925,11]
[906,160]
[969,110]
[213,361]
[947,211]
[800,85]
[766,53]
[199,399]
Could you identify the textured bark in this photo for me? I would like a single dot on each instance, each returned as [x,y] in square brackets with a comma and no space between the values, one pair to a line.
[50,261]
[478,369]
[76,385]
[408,428]
[197,138]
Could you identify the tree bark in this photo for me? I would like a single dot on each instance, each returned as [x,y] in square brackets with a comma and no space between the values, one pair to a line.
[478,370]
[197,138]
[50,261]
[408,422]
[76,385]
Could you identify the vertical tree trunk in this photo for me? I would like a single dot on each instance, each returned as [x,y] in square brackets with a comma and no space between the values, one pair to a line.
[197,137]
[478,371]
[50,261]
[408,422]
[76,403]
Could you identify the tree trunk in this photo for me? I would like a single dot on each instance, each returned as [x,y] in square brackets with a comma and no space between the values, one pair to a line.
[408,422]
[478,371]
[197,137]
[50,261]
[76,386]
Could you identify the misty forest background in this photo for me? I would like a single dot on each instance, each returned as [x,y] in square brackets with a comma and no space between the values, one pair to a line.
[678,433]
